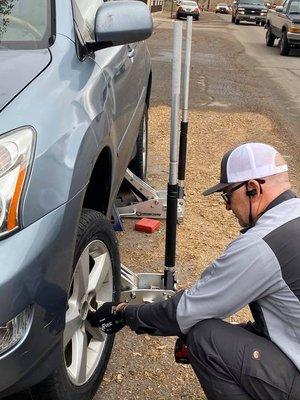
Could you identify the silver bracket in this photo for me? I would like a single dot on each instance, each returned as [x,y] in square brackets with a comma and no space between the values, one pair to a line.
[154,205]
[143,287]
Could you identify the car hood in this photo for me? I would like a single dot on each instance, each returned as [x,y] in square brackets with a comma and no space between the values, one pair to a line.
[252,6]
[17,69]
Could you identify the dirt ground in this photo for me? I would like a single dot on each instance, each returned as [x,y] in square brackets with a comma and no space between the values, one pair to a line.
[143,367]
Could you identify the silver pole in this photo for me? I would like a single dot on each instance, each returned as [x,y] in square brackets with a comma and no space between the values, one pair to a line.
[176,80]
[172,196]
[187,65]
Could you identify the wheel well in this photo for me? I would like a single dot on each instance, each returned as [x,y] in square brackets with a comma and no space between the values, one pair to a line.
[99,187]
[149,90]
[283,29]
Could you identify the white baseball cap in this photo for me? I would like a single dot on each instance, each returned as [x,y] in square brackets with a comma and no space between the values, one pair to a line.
[245,162]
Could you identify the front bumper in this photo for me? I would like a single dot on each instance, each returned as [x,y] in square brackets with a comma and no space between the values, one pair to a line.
[293,38]
[36,267]
[251,18]
[185,14]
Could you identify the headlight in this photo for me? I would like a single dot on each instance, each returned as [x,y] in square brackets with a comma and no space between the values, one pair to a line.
[241,9]
[12,332]
[241,12]
[294,28]
[16,150]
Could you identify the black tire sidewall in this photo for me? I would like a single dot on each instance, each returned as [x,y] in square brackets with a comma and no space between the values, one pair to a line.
[93,226]
[284,46]
[269,37]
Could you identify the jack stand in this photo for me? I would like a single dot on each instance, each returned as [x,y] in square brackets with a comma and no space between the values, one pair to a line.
[143,287]
[150,287]
[150,203]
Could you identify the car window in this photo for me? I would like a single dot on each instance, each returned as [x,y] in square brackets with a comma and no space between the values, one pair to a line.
[294,7]
[88,10]
[189,3]
[26,24]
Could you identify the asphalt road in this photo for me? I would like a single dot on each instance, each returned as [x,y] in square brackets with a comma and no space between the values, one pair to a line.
[232,71]
[283,71]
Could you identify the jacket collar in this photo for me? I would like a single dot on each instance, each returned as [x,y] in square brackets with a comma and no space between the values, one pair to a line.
[287,195]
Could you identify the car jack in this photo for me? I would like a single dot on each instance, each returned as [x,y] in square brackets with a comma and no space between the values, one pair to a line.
[143,287]
[150,287]
[149,203]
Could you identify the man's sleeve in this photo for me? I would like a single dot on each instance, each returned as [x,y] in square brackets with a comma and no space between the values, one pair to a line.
[246,271]
[157,319]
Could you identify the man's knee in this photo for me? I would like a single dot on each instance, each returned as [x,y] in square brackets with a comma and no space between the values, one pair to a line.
[201,335]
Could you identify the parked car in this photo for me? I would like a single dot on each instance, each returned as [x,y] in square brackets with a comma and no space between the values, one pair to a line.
[188,8]
[284,23]
[222,8]
[249,10]
[75,90]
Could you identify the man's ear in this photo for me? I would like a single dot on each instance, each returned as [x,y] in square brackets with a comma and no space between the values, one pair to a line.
[253,187]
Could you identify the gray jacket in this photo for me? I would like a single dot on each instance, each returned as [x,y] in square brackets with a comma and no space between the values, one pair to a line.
[260,268]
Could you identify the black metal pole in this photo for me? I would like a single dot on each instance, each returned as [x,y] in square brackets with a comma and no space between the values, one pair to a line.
[182,156]
[185,108]
[171,229]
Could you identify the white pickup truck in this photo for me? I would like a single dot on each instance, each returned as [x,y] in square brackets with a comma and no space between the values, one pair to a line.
[284,23]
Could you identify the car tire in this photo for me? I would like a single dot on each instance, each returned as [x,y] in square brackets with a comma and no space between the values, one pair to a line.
[257,22]
[97,263]
[233,19]
[197,18]
[237,21]
[284,45]
[262,23]
[140,161]
[270,37]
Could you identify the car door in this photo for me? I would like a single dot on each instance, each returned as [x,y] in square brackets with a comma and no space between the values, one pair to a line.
[118,64]
[280,18]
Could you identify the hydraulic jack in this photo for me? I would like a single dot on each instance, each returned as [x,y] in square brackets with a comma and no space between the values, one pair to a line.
[150,287]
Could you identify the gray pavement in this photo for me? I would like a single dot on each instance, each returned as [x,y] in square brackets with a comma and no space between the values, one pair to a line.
[232,70]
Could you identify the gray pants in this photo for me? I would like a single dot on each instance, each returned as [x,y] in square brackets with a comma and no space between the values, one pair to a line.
[232,363]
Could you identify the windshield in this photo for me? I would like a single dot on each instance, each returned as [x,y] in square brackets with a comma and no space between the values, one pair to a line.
[189,3]
[294,7]
[25,24]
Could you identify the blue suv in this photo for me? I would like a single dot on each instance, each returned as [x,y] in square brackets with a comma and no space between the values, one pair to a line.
[74,94]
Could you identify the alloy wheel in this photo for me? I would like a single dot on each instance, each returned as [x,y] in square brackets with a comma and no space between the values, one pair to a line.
[92,285]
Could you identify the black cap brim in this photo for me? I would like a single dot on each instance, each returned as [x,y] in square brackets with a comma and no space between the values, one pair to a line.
[217,188]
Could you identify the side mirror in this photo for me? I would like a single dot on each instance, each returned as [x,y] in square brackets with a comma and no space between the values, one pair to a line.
[279,9]
[121,22]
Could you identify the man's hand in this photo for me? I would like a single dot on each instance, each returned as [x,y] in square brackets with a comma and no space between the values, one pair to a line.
[109,317]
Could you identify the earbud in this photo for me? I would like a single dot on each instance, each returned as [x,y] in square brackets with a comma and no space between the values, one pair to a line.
[251,193]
